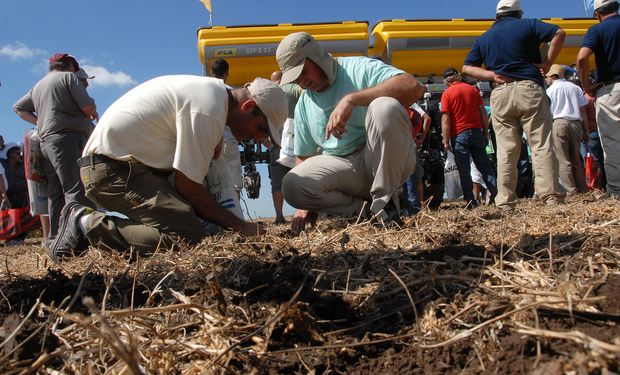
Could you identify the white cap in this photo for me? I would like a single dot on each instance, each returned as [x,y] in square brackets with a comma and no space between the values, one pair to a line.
[508,6]
[600,3]
[272,101]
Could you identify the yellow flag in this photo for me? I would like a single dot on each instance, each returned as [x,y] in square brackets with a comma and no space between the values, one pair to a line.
[207,4]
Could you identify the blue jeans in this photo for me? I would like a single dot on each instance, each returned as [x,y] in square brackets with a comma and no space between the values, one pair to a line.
[468,143]
[413,204]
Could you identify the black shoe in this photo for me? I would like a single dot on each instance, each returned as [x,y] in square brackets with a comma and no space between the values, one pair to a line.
[70,240]
[388,217]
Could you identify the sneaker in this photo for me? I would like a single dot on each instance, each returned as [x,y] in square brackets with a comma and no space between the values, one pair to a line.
[70,239]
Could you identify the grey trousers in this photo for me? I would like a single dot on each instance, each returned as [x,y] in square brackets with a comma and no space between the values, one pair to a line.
[608,121]
[339,185]
[60,154]
[567,137]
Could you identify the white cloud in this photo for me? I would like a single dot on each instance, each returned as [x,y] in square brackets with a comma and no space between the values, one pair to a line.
[106,78]
[18,50]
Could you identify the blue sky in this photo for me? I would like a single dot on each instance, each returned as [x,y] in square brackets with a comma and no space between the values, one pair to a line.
[124,43]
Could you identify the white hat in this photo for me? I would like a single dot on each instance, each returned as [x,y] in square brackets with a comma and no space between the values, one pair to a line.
[272,101]
[508,6]
[600,3]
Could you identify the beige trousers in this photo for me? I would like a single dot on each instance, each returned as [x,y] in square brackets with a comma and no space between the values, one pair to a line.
[608,121]
[567,137]
[523,106]
[340,185]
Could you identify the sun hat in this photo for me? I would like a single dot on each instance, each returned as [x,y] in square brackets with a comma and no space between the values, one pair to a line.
[272,101]
[555,69]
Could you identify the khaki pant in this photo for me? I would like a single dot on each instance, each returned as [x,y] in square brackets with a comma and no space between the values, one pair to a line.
[608,121]
[157,214]
[340,185]
[516,107]
[567,137]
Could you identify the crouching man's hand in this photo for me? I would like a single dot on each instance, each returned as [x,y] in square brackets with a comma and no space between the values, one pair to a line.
[252,229]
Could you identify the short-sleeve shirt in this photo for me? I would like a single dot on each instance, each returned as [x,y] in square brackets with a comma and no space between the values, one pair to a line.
[566,100]
[314,108]
[511,47]
[169,122]
[462,102]
[603,39]
[58,100]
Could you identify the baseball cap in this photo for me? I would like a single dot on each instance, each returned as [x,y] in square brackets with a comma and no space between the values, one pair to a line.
[601,3]
[292,53]
[81,73]
[555,69]
[272,101]
[508,6]
[61,56]
[450,72]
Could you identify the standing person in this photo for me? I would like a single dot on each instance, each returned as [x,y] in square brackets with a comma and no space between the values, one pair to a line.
[277,171]
[510,53]
[354,110]
[62,110]
[593,145]
[168,124]
[17,189]
[4,184]
[569,128]
[414,186]
[602,41]
[230,152]
[465,131]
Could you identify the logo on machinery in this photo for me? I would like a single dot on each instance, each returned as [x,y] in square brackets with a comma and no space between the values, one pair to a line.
[225,52]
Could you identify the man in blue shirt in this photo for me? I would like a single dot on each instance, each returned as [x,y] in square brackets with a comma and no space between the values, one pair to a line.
[352,132]
[510,53]
[602,40]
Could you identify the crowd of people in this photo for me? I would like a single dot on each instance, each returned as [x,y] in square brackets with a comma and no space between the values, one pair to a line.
[354,131]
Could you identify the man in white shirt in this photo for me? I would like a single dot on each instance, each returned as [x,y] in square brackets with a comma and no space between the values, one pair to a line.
[569,128]
[168,124]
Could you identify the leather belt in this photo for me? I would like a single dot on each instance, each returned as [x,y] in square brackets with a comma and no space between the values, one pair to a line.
[91,160]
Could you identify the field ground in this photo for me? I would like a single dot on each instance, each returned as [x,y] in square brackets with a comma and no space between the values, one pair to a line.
[536,290]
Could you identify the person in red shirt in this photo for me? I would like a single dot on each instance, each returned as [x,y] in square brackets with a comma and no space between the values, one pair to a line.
[465,131]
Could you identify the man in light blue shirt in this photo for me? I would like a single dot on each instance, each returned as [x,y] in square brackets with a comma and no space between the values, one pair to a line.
[352,132]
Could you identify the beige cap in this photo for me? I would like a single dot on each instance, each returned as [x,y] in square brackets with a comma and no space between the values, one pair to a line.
[600,3]
[81,73]
[292,53]
[508,6]
[555,69]
[272,102]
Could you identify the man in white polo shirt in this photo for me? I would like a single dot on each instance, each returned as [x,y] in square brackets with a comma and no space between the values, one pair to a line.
[168,124]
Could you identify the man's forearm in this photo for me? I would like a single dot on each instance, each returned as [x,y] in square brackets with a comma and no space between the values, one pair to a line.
[478,73]
[555,46]
[445,127]
[28,117]
[204,204]
[403,87]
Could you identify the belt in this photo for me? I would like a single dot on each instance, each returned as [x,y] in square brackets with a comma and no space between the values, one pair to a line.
[91,160]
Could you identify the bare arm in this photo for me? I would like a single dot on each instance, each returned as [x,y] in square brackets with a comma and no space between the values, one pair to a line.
[27,116]
[403,87]
[426,127]
[554,50]
[485,121]
[583,67]
[301,217]
[90,110]
[445,130]
[207,207]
